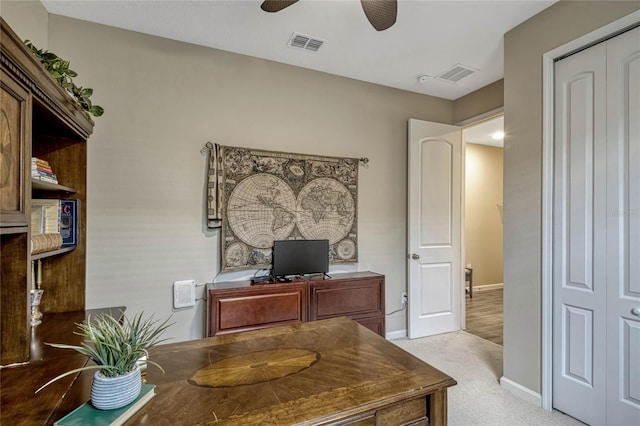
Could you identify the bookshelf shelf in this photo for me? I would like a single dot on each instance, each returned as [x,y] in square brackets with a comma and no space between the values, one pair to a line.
[47,186]
[14,230]
[51,253]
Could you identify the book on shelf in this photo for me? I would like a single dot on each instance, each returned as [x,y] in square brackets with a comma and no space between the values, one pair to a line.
[51,217]
[69,214]
[41,170]
[37,220]
[45,179]
[41,243]
[50,222]
[88,415]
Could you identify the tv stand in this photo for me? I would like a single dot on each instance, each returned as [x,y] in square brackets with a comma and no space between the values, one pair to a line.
[241,305]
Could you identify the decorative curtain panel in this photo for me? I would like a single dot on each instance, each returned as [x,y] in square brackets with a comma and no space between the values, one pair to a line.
[260,196]
[214,212]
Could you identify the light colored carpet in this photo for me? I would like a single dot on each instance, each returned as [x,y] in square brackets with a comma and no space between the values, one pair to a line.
[478,399]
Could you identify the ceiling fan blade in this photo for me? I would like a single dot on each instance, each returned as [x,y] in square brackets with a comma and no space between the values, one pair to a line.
[381,13]
[276,5]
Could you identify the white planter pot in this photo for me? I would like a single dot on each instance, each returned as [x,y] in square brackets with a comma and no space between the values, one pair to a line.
[108,393]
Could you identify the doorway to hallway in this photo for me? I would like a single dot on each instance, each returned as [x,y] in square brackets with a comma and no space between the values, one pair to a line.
[483,251]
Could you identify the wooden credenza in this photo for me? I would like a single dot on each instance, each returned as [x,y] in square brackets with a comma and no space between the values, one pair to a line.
[240,306]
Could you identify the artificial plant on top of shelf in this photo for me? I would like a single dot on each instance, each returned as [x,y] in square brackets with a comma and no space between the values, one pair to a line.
[60,71]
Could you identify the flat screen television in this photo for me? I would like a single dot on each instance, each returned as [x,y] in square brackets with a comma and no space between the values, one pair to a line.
[300,257]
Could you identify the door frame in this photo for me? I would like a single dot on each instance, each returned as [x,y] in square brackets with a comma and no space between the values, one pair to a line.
[548,123]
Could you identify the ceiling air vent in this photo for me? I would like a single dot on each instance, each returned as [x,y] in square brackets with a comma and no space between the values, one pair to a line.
[456,73]
[306,42]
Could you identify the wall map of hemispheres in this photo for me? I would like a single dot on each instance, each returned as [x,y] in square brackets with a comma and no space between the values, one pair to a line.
[269,196]
[326,210]
[261,210]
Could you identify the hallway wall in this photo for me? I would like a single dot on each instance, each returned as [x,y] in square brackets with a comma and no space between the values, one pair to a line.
[483,228]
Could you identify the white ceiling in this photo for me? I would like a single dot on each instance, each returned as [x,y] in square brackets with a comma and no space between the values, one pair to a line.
[482,133]
[429,37]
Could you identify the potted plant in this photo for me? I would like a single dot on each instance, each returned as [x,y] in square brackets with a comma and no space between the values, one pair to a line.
[115,348]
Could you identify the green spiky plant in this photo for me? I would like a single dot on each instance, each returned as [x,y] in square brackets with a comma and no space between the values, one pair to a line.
[60,71]
[115,347]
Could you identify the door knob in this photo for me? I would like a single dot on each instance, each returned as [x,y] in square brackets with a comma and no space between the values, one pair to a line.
[415,256]
[636,311]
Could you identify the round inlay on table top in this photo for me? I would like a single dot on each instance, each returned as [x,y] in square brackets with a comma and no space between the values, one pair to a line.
[254,367]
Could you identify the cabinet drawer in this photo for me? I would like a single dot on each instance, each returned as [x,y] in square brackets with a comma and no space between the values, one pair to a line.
[353,299]
[367,421]
[250,310]
[404,413]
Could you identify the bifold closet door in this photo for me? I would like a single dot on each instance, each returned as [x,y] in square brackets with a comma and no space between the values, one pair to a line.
[579,273]
[623,229]
[596,279]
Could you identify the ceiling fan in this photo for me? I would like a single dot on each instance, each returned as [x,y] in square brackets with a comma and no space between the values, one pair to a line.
[380,13]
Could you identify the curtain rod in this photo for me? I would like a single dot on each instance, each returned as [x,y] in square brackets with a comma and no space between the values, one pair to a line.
[209,146]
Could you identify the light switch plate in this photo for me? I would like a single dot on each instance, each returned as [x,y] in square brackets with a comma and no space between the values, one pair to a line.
[184,293]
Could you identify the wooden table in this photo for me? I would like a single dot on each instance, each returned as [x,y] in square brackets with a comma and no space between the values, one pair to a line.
[330,372]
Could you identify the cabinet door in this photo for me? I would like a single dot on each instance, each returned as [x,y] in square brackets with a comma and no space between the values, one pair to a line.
[333,298]
[256,308]
[360,299]
[15,155]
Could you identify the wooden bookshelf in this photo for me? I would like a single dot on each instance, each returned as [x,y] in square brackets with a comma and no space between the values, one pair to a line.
[39,119]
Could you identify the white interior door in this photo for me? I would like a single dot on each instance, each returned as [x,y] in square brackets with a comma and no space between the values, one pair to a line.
[579,276]
[596,275]
[623,229]
[434,208]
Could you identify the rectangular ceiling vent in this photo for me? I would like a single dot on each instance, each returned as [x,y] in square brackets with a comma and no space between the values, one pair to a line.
[306,42]
[456,73]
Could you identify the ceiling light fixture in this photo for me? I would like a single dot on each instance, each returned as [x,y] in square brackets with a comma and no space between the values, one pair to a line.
[498,135]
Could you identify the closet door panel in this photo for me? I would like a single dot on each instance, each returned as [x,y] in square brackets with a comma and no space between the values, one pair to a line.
[623,228]
[579,245]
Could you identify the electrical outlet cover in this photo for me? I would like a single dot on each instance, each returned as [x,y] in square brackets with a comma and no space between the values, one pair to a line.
[184,294]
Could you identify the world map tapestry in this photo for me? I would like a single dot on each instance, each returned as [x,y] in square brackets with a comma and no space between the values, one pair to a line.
[267,196]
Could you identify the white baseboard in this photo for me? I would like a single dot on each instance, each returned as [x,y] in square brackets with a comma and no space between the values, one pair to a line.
[521,391]
[398,334]
[487,287]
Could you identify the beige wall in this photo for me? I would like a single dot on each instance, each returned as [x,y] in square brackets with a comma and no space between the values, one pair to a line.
[163,101]
[488,98]
[482,227]
[28,19]
[524,46]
